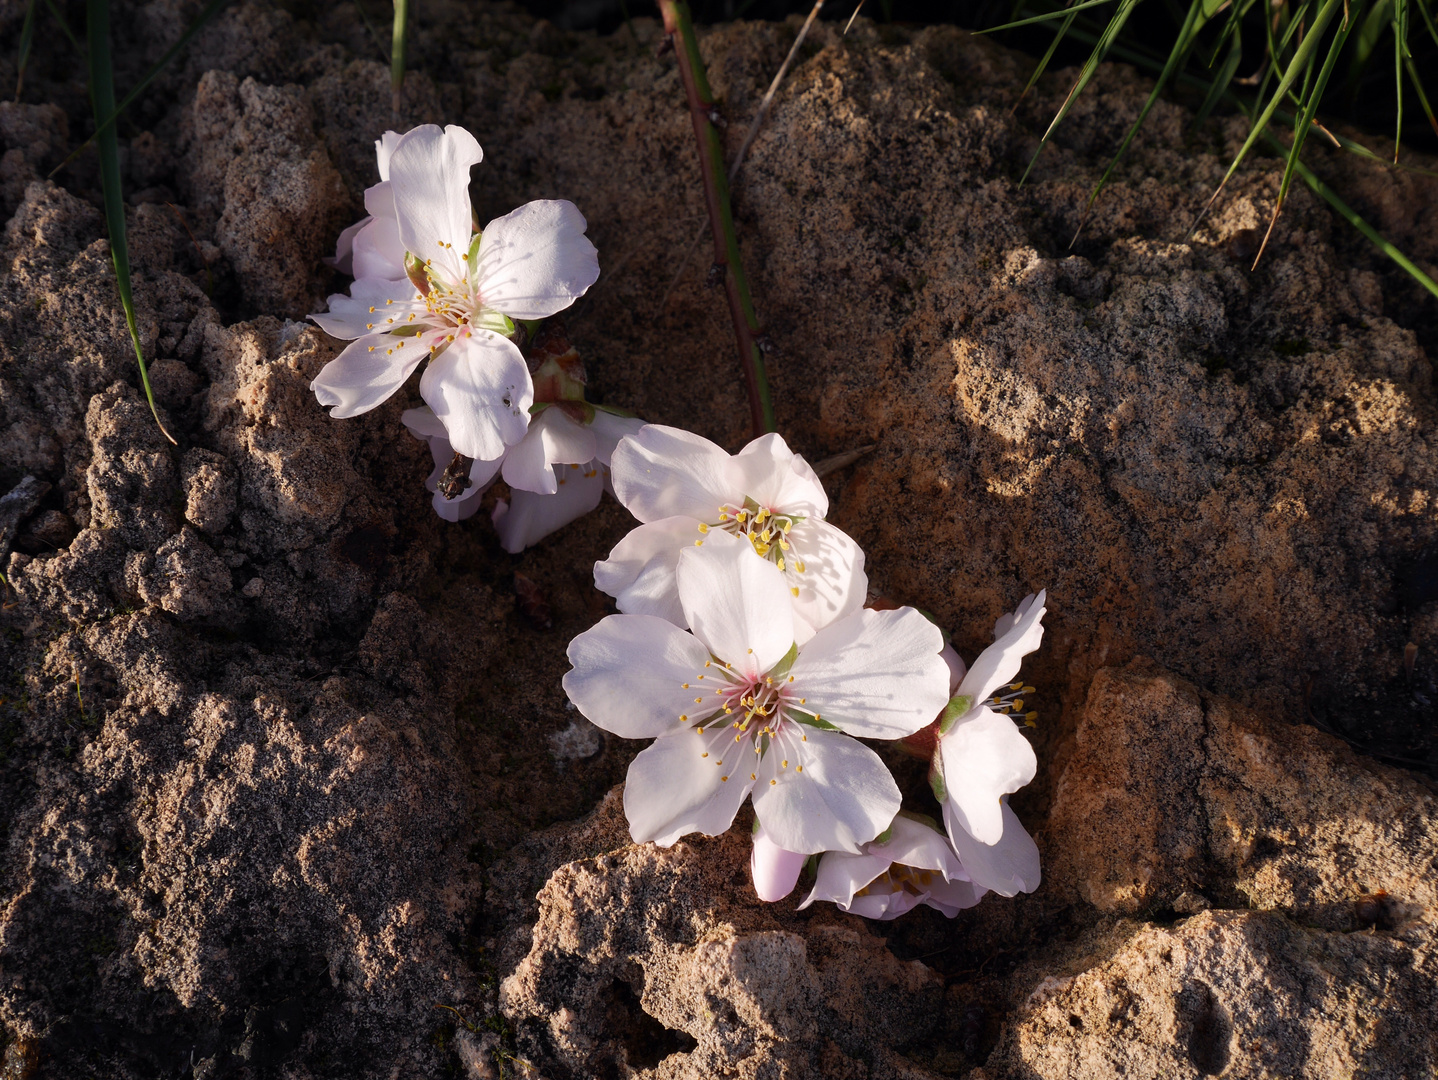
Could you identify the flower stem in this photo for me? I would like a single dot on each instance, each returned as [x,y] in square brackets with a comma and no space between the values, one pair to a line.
[680,28]
[396,54]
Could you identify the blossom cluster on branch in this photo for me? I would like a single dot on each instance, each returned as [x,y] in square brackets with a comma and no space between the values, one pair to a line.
[744,647]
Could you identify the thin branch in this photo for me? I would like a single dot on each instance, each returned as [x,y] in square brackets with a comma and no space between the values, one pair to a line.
[680,30]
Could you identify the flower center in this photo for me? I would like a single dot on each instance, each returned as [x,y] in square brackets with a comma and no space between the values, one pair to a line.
[758,710]
[899,878]
[1009,702]
[766,529]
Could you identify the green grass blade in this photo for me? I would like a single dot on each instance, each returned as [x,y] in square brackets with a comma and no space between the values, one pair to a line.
[64,26]
[1400,42]
[102,98]
[210,11]
[1366,40]
[1231,28]
[1302,59]
[1346,212]
[1305,124]
[27,38]
[1187,35]
[396,58]
[1046,17]
[1428,21]
[1422,97]
[1086,74]
[1221,81]
[1048,55]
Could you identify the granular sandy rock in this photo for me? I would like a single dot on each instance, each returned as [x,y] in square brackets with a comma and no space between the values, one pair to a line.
[1237,994]
[1170,795]
[209,482]
[662,961]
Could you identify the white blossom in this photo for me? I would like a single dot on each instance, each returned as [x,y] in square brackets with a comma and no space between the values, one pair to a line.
[458,305]
[735,706]
[982,756]
[911,864]
[682,487]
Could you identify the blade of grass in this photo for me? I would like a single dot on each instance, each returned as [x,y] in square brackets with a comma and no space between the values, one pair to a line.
[1400,43]
[1231,29]
[1422,98]
[27,38]
[64,26]
[1346,212]
[1187,36]
[396,53]
[1048,16]
[1086,74]
[1305,123]
[373,32]
[1221,81]
[1302,58]
[102,98]
[210,11]
[1059,35]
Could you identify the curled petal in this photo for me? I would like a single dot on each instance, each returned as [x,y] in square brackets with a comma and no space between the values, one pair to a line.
[535,261]
[529,517]
[984,757]
[842,797]
[1008,867]
[841,874]
[608,429]
[875,674]
[773,475]
[639,572]
[669,472]
[999,663]
[384,148]
[369,370]
[429,174]
[775,870]
[379,252]
[737,604]
[552,439]
[683,783]
[480,389]
[629,672]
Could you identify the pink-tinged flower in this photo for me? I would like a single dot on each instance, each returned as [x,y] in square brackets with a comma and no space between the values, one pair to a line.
[459,304]
[909,865]
[556,473]
[735,706]
[683,487]
[982,756]
[775,870]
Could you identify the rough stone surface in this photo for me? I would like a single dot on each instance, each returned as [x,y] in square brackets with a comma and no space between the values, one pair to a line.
[282,769]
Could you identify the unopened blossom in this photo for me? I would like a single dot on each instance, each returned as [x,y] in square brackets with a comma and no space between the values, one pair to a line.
[735,707]
[911,864]
[775,870]
[458,305]
[683,487]
[556,473]
[981,756]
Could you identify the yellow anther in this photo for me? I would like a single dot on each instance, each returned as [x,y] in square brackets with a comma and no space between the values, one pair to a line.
[723,517]
[450,338]
[739,736]
[1032,716]
[741,515]
[803,738]
[785,765]
[781,564]
[766,535]
[772,782]
[699,701]
[389,301]
[783,544]
[683,717]
[684,686]
[369,326]
[751,652]
[708,663]
[1018,705]
[703,528]
[799,566]
[371,309]
[701,676]
[727,709]
[800,768]
[802,700]
[791,678]
[794,589]
[371,348]
[723,778]
[411,316]
[698,543]
[753,776]
[705,754]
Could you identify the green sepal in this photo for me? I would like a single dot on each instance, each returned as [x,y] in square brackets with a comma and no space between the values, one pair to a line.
[814,722]
[781,669]
[417,273]
[958,705]
[408,330]
[473,253]
[922,819]
[884,837]
[538,407]
[936,779]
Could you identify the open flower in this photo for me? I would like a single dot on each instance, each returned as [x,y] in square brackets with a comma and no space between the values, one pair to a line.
[736,707]
[459,302]
[682,487]
[911,864]
[981,756]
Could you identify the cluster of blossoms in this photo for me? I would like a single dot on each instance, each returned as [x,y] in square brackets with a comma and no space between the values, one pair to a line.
[744,648]
[745,651]
[431,286]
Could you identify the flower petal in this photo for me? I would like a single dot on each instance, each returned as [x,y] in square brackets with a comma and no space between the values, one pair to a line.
[669,472]
[776,477]
[736,603]
[639,572]
[480,389]
[912,843]
[423,424]
[429,173]
[841,874]
[379,253]
[843,797]
[373,305]
[957,668]
[999,663]
[682,783]
[608,429]
[876,674]
[629,672]
[1008,867]
[552,439]
[529,517]
[833,584]
[367,372]
[384,148]
[343,260]
[775,870]
[984,757]
[535,261]
[951,897]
